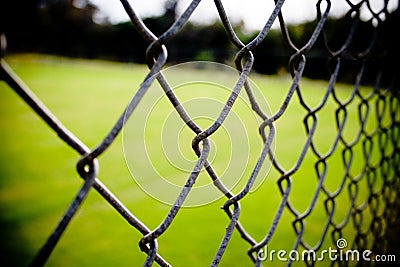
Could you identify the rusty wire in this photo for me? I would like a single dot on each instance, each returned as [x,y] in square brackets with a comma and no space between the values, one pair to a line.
[379,100]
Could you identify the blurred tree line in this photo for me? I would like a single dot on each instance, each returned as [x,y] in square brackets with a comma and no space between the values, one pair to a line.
[73,28]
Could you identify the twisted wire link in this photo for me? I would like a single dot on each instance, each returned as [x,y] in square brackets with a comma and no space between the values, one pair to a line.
[382,106]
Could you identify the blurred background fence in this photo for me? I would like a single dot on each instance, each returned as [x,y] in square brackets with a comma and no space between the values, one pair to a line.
[352,50]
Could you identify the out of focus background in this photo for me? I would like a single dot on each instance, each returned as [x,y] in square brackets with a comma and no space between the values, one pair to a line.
[85,60]
[101,30]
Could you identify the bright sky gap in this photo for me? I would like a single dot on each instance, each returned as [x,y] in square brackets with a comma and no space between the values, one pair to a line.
[253,13]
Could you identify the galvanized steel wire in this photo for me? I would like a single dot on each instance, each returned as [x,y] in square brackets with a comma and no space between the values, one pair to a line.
[156,58]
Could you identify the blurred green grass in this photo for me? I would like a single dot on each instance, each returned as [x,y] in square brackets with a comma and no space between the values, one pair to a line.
[38,178]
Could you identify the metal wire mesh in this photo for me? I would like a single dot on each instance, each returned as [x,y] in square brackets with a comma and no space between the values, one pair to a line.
[380,104]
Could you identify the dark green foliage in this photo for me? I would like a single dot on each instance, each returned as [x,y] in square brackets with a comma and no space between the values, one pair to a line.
[60,27]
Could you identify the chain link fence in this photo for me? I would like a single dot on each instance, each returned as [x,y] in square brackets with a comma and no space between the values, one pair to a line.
[377,182]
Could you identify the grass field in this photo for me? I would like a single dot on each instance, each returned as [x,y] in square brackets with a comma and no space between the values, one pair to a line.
[38,178]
